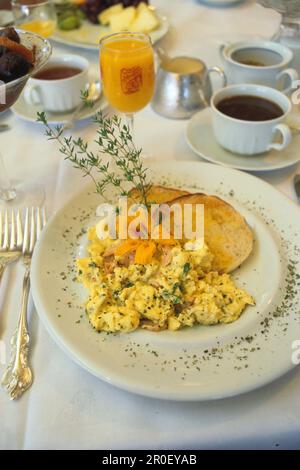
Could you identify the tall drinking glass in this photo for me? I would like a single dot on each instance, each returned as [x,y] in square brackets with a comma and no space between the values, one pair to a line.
[37,16]
[127,72]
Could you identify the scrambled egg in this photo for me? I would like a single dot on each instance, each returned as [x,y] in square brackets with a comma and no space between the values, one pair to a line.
[176,289]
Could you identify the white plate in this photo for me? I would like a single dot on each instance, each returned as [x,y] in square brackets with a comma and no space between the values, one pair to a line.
[29,112]
[89,35]
[200,138]
[6,16]
[200,363]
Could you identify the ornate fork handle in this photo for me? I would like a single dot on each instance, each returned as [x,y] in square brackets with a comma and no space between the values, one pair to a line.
[18,377]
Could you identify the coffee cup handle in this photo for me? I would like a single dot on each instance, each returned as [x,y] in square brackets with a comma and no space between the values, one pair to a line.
[222,47]
[220,72]
[293,76]
[32,95]
[286,137]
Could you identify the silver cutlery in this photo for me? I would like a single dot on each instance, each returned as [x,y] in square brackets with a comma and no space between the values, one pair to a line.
[10,239]
[297,186]
[18,376]
[94,93]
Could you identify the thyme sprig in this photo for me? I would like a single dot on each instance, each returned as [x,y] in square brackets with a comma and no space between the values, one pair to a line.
[113,139]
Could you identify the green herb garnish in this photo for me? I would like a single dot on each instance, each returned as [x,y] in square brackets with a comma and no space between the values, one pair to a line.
[114,139]
[115,294]
[186,268]
[92,264]
[128,284]
[171,297]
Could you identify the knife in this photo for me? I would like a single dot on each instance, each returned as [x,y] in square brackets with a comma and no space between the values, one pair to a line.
[297,186]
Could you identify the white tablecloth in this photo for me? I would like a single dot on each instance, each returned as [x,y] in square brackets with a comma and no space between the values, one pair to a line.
[67,407]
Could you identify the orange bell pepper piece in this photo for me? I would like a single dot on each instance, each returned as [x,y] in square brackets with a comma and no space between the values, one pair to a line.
[144,252]
[126,247]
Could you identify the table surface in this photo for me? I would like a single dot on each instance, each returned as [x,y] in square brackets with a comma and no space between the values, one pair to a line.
[69,408]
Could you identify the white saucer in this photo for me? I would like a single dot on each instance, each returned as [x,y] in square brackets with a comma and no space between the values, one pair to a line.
[200,138]
[29,112]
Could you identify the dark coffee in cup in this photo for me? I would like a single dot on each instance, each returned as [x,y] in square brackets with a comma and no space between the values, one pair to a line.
[249,108]
[249,119]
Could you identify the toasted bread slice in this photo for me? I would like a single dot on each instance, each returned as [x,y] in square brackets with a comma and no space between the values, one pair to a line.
[158,194]
[226,232]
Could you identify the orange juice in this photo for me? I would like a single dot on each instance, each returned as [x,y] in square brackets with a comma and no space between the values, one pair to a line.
[127,72]
[43,27]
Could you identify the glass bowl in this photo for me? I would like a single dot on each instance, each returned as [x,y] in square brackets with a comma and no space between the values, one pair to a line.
[42,50]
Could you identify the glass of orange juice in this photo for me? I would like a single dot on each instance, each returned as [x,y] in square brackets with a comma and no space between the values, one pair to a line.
[127,72]
[37,16]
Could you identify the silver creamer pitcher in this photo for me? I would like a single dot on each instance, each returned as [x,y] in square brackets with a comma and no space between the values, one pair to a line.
[183,86]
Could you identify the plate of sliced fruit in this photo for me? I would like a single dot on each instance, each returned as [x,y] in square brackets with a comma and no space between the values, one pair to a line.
[82,23]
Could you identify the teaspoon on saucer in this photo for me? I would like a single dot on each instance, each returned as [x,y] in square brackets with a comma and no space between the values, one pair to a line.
[94,93]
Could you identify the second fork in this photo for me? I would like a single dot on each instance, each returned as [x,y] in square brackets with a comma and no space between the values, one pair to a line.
[10,239]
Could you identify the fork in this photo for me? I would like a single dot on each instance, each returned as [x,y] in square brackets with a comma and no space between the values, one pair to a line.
[10,243]
[18,376]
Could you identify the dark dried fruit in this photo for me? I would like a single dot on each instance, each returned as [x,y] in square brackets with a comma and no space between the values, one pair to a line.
[15,59]
[18,49]
[12,66]
[10,33]
[3,50]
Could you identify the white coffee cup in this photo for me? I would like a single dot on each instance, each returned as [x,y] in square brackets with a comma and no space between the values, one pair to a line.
[251,137]
[59,95]
[293,44]
[274,58]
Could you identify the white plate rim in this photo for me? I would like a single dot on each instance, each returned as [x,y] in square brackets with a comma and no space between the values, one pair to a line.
[115,380]
[192,146]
